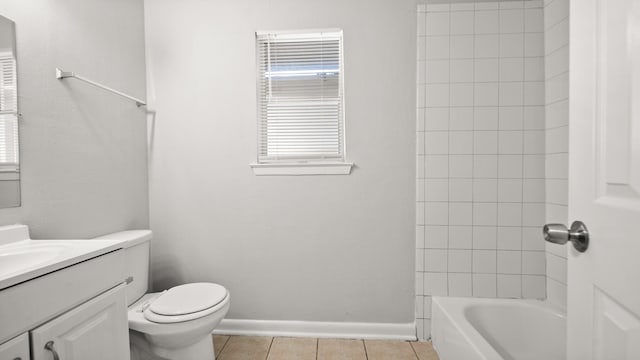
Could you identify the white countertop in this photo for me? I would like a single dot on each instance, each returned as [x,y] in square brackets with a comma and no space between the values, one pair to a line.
[52,255]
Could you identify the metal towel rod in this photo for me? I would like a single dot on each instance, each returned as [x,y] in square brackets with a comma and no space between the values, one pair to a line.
[60,74]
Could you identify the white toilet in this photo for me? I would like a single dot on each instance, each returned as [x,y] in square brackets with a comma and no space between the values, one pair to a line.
[172,325]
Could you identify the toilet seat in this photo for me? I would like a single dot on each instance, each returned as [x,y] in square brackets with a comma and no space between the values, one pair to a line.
[185,302]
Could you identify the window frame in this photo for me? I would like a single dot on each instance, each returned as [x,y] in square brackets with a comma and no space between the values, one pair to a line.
[300,164]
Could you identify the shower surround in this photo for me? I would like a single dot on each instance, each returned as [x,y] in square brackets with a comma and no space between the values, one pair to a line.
[480,196]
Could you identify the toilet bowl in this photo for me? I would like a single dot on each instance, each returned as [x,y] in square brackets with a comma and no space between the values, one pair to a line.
[175,324]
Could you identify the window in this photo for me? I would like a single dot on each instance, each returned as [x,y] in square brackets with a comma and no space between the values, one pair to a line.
[300,103]
[8,113]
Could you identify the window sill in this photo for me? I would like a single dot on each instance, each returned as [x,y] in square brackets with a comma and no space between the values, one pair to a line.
[284,169]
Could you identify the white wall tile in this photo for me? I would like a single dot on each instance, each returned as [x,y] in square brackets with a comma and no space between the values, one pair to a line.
[509,238]
[511,69]
[436,190]
[461,46]
[533,190]
[534,69]
[534,117]
[532,239]
[485,142]
[460,142]
[462,22]
[509,166]
[487,70]
[436,119]
[461,70]
[436,166]
[511,21]
[460,190]
[437,23]
[533,44]
[484,237]
[460,260]
[509,286]
[437,95]
[460,213]
[460,284]
[486,118]
[461,94]
[485,190]
[533,20]
[511,118]
[460,166]
[437,47]
[436,142]
[436,71]
[486,94]
[460,237]
[436,213]
[435,260]
[511,45]
[419,259]
[511,94]
[461,119]
[533,262]
[509,214]
[484,285]
[435,284]
[510,142]
[509,262]
[485,166]
[435,237]
[557,268]
[484,261]
[419,236]
[533,287]
[534,93]
[510,190]
[487,46]
[533,214]
[487,22]
[534,166]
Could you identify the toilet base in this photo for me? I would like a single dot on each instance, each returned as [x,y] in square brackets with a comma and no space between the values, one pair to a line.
[141,349]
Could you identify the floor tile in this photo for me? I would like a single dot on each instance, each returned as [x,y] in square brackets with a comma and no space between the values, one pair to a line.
[283,348]
[341,349]
[388,349]
[219,341]
[246,348]
[425,350]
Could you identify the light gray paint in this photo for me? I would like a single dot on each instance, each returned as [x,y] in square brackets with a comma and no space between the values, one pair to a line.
[316,248]
[83,151]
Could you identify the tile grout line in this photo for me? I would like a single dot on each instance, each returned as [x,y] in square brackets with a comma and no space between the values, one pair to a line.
[270,345]
[364,345]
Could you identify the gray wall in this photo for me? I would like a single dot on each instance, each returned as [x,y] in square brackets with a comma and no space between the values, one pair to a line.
[83,151]
[315,248]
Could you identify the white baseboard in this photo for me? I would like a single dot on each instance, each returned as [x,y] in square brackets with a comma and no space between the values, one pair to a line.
[317,329]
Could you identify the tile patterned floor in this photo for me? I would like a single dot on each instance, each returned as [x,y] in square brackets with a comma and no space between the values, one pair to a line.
[285,348]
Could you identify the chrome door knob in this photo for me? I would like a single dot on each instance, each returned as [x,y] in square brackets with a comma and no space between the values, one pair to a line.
[559,234]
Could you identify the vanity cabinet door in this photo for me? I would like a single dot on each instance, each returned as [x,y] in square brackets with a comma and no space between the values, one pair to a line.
[96,330]
[16,349]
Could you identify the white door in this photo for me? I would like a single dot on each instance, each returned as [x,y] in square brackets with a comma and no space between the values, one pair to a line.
[95,330]
[604,179]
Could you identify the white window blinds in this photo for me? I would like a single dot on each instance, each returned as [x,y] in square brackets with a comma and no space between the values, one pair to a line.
[300,96]
[8,113]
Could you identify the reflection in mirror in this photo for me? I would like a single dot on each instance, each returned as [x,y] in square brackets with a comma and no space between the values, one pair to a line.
[9,147]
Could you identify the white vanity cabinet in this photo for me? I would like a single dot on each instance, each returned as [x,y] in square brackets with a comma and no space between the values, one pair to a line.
[95,330]
[16,349]
[79,310]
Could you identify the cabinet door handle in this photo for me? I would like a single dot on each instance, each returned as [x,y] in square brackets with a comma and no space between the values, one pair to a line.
[49,346]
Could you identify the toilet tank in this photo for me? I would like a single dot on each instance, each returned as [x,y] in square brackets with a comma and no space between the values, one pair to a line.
[136,251]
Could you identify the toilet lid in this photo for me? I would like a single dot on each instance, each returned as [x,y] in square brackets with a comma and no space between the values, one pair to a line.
[188,298]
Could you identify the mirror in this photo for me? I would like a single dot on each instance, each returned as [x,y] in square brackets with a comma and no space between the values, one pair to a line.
[9,147]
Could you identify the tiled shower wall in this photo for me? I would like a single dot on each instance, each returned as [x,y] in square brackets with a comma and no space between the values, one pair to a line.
[556,29]
[480,152]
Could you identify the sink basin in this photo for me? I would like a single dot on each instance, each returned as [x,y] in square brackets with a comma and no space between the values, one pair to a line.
[24,256]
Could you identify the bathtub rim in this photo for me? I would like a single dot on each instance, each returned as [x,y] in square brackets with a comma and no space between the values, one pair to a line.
[454,308]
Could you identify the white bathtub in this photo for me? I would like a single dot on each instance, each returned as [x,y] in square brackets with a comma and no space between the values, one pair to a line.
[497,329]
